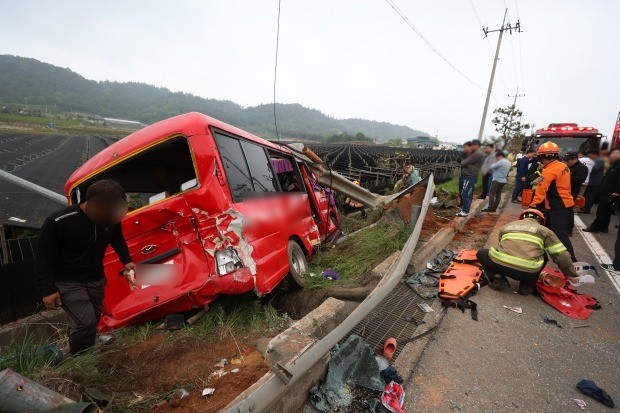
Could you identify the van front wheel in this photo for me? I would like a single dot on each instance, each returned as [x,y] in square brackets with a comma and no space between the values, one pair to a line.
[297,263]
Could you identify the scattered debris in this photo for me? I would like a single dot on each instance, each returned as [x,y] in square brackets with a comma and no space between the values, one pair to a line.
[174,322]
[583,326]
[517,310]
[426,308]
[382,362]
[236,360]
[176,396]
[236,370]
[330,274]
[208,391]
[589,388]
[389,348]
[580,403]
[222,363]
[551,320]
[391,375]
[393,398]
[351,363]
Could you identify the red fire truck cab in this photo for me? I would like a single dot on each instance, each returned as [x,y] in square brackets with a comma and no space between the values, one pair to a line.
[568,136]
[219,210]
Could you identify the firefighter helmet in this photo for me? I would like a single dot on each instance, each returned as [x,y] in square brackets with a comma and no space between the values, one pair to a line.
[548,148]
[533,213]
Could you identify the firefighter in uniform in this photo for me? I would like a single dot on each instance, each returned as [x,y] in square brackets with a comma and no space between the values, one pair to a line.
[522,253]
[553,194]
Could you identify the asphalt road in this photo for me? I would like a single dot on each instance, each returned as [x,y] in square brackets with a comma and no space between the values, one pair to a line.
[507,362]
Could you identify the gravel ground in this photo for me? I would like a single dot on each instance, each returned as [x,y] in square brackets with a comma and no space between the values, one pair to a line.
[507,362]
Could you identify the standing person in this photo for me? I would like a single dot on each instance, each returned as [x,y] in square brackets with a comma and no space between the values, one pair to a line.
[500,169]
[486,169]
[69,260]
[464,155]
[523,167]
[589,164]
[609,187]
[578,174]
[471,169]
[553,194]
[595,180]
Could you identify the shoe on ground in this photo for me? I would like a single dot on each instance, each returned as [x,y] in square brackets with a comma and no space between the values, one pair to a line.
[515,201]
[461,214]
[583,212]
[590,229]
[609,267]
[499,283]
[525,289]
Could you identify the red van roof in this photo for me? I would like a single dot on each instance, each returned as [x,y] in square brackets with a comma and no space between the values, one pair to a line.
[189,124]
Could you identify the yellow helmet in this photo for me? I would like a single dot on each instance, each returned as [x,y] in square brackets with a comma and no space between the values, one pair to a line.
[548,148]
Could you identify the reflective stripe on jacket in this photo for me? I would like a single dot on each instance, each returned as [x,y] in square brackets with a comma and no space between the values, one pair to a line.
[523,245]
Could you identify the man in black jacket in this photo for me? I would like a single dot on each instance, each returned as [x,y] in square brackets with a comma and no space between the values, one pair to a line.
[606,204]
[69,261]
[578,175]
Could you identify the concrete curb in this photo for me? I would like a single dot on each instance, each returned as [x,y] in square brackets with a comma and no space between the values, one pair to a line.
[41,327]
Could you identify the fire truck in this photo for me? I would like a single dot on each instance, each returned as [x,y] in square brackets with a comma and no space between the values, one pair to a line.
[615,138]
[568,136]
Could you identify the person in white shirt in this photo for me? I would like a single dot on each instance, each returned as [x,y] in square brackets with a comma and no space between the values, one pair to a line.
[589,163]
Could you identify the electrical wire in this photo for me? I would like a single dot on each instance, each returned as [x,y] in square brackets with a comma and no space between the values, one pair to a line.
[520,51]
[275,72]
[499,68]
[430,46]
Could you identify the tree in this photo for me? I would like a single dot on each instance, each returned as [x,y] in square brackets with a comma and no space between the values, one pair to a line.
[395,142]
[507,121]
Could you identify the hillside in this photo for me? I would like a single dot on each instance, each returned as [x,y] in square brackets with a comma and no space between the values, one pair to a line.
[45,84]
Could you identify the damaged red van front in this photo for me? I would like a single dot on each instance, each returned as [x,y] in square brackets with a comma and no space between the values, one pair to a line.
[213,210]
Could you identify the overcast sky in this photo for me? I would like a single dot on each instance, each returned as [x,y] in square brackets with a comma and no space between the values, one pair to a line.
[346,58]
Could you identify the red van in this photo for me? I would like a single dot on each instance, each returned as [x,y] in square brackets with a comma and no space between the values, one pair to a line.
[228,211]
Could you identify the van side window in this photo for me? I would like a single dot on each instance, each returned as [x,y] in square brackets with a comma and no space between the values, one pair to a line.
[260,170]
[286,172]
[237,172]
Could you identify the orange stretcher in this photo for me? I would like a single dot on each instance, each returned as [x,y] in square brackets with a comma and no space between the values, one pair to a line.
[460,281]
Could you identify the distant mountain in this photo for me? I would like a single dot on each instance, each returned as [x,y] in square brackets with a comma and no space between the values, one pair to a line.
[45,84]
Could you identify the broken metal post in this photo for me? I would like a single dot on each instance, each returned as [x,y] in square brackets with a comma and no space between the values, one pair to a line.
[33,187]
[415,215]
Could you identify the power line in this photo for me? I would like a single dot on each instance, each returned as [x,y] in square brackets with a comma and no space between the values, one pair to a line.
[520,51]
[430,46]
[275,72]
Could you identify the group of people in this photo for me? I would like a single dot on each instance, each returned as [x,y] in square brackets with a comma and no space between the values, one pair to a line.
[544,228]
[492,164]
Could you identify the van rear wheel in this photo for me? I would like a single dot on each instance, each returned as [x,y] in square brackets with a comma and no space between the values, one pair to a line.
[297,263]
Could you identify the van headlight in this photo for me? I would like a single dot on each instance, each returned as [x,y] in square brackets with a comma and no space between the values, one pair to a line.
[227,261]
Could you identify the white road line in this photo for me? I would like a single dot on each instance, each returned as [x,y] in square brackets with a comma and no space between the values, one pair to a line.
[598,251]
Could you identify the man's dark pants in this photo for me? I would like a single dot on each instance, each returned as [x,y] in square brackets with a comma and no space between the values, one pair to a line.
[590,194]
[486,184]
[603,213]
[82,303]
[558,220]
[492,269]
[461,179]
[519,186]
[617,253]
[495,195]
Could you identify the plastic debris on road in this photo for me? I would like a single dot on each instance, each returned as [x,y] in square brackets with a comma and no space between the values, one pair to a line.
[589,388]
[580,403]
[517,310]
[393,398]
[352,363]
[551,320]
[330,274]
[208,391]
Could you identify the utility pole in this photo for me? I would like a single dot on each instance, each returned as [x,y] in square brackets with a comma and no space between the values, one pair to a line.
[505,27]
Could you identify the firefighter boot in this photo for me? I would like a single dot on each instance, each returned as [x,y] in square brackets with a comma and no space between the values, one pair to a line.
[499,283]
[526,288]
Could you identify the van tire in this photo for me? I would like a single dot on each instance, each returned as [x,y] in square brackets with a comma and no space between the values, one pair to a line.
[297,264]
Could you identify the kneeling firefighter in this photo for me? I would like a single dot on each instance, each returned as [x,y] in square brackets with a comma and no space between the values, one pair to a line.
[522,253]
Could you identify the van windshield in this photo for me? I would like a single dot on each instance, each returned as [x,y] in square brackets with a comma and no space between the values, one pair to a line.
[150,176]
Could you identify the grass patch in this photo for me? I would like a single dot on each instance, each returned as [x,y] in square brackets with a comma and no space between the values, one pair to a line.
[350,224]
[355,256]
